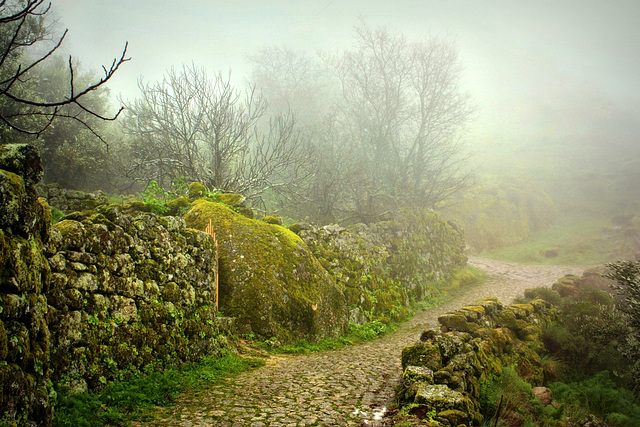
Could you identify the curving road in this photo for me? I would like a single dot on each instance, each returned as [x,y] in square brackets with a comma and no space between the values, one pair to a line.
[351,386]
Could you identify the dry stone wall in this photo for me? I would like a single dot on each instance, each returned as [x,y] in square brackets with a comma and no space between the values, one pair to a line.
[100,293]
[71,200]
[443,372]
[383,267]
[129,289]
[25,340]
[114,288]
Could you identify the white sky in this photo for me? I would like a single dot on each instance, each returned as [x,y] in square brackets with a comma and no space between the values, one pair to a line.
[549,67]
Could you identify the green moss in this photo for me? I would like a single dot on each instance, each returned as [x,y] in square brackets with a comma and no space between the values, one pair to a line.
[269,280]
[4,250]
[272,219]
[196,191]
[177,206]
[12,191]
[458,322]
[3,338]
[231,199]
[423,354]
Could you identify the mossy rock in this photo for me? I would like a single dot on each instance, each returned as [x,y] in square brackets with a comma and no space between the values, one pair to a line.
[423,354]
[272,219]
[457,322]
[269,280]
[12,193]
[196,191]
[23,160]
[176,206]
[231,199]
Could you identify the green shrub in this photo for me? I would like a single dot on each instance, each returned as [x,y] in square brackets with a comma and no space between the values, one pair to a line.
[507,393]
[56,214]
[600,396]
[547,294]
[154,197]
[588,336]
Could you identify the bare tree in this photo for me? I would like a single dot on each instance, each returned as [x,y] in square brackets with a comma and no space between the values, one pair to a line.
[204,129]
[23,29]
[388,132]
[405,113]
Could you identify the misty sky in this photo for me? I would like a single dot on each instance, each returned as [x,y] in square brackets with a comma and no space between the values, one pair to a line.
[549,68]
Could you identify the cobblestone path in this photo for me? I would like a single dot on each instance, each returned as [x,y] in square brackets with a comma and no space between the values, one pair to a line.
[351,386]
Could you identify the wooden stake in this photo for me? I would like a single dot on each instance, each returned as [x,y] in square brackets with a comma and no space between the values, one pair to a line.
[211,232]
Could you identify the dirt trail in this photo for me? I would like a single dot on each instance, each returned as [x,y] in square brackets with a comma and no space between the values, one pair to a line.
[351,386]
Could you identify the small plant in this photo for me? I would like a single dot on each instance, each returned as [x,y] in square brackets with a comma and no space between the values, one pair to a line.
[600,396]
[155,197]
[56,214]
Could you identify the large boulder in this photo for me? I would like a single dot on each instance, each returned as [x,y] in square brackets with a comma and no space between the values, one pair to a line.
[269,279]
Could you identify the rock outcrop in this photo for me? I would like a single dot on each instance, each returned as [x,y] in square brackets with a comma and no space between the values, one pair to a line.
[269,279]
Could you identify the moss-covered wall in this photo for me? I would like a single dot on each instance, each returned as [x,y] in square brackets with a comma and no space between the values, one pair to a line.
[100,293]
[71,200]
[385,266]
[443,372]
[25,361]
[128,289]
[117,288]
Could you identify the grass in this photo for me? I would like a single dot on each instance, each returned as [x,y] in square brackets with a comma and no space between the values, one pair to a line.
[124,401]
[571,241]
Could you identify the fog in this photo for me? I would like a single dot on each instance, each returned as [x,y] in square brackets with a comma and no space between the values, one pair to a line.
[555,83]
[538,67]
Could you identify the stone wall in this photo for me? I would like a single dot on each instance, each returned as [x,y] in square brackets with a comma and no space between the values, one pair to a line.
[99,294]
[384,267]
[114,288]
[71,200]
[443,372]
[129,289]
[25,340]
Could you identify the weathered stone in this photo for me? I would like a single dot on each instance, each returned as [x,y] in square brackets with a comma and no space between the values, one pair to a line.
[423,354]
[23,160]
[441,398]
[543,394]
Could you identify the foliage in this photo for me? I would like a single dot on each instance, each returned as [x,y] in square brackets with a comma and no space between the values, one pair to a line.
[589,335]
[601,396]
[549,295]
[134,398]
[627,277]
[507,393]
[155,197]
[56,214]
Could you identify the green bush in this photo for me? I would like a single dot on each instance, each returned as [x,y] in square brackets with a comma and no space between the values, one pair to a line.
[507,393]
[588,336]
[547,294]
[154,197]
[600,396]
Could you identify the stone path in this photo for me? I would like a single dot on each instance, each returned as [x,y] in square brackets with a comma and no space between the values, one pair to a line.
[351,386]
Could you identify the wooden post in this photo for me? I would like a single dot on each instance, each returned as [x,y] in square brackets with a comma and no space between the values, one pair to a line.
[209,230]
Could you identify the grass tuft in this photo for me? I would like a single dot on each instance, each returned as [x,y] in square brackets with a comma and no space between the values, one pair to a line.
[124,401]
